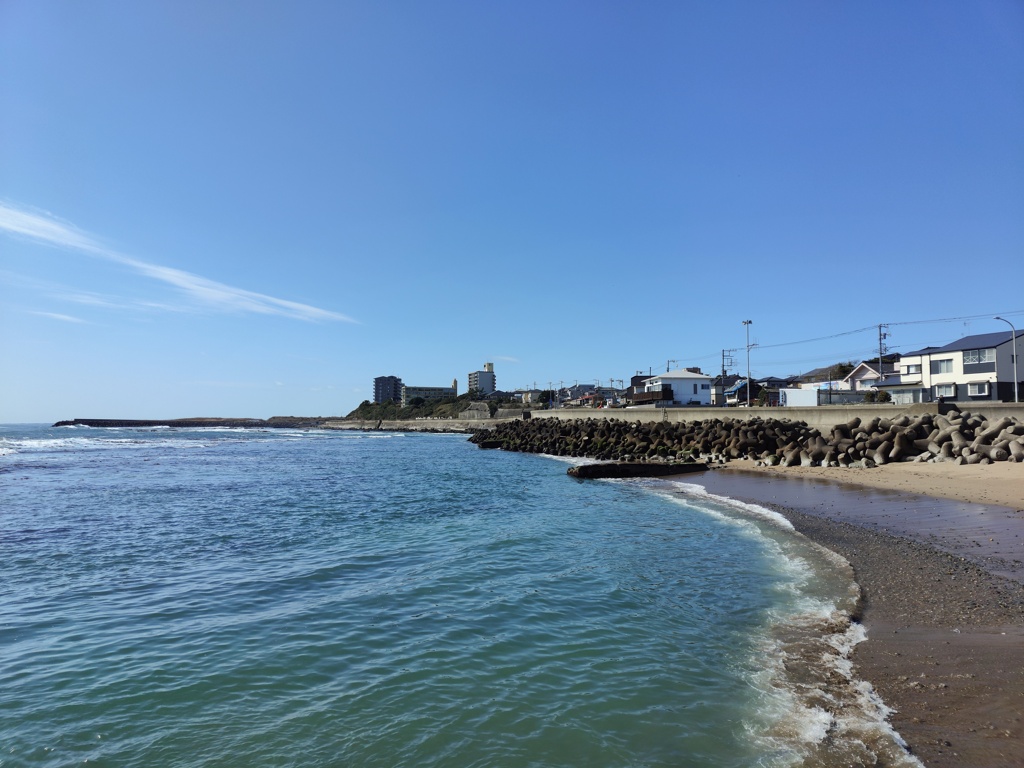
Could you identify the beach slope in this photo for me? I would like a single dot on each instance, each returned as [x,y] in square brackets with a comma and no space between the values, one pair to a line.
[938,551]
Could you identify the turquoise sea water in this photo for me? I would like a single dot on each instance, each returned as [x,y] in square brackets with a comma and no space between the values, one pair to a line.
[288,598]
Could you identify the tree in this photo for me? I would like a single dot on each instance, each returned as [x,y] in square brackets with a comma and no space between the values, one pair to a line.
[842,370]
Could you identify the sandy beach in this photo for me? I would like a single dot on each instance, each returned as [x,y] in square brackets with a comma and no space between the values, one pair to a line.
[938,551]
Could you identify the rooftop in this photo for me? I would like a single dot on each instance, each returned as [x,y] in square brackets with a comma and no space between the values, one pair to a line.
[977,341]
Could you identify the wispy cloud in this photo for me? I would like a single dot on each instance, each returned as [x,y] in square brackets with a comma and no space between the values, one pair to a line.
[506,359]
[58,316]
[45,228]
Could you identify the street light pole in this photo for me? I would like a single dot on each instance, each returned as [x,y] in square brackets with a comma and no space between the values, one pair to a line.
[1016,395]
[746,324]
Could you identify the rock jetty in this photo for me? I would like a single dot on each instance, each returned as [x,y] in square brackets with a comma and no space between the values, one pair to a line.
[957,437]
[274,422]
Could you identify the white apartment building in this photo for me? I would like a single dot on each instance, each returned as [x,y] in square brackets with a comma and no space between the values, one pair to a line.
[483,381]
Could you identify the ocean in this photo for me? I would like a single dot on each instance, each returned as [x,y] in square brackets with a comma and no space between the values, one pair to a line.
[229,597]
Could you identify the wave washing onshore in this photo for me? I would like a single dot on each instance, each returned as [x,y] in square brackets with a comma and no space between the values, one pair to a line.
[945,635]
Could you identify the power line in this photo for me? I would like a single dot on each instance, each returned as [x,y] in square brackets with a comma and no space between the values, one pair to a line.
[956,319]
[874,327]
[841,334]
[819,338]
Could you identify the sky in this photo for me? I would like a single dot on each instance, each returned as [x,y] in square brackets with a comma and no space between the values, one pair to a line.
[253,209]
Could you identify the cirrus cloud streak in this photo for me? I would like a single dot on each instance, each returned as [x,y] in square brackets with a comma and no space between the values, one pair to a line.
[50,230]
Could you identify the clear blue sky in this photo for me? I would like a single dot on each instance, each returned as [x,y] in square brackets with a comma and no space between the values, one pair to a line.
[252,209]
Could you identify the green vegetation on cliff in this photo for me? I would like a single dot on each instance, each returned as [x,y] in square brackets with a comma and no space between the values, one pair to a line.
[449,407]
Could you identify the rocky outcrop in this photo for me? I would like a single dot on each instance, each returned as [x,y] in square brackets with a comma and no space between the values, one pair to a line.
[957,437]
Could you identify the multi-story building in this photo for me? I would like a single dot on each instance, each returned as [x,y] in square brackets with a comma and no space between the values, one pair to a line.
[483,381]
[429,393]
[976,367]
[387,389]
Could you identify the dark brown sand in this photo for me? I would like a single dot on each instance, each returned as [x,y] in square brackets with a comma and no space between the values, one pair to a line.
[943,586]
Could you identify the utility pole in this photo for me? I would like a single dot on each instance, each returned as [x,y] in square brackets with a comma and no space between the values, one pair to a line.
[668,365]
[882,336]
[1013,335]
[747,324]
[727,362]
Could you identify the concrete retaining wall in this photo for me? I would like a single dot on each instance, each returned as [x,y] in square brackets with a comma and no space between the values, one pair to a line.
[416,425]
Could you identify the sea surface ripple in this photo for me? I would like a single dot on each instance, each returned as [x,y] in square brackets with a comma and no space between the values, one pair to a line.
[230,597]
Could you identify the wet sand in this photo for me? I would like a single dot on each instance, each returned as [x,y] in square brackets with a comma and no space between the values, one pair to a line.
[943,586]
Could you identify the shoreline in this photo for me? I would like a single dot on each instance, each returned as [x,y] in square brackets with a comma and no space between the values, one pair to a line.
[944,612]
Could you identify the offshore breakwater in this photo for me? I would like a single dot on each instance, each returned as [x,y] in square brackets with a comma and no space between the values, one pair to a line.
[201,422]
[958,437]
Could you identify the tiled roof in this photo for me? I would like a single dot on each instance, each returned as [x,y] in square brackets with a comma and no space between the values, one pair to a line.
[893,381]
[979,341]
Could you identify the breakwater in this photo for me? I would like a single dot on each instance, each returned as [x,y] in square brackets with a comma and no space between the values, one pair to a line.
[959,437]
[274,422]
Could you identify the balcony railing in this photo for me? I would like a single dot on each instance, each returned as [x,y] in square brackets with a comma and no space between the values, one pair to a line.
[654,396]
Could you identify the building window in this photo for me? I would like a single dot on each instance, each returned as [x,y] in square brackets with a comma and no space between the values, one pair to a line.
[942,366]
[945,390]
[909,369]
[972,356]
[977,390]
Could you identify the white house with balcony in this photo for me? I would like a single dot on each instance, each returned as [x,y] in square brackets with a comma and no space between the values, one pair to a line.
[685,386]
[974,368]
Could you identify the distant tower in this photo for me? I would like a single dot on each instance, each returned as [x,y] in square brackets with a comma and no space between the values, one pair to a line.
[455,386]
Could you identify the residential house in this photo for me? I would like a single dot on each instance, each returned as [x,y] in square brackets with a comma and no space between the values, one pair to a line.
[768,389]
[687,386]
[719,385]
[865,376]
[529,395]
[974,368]
[737,393]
